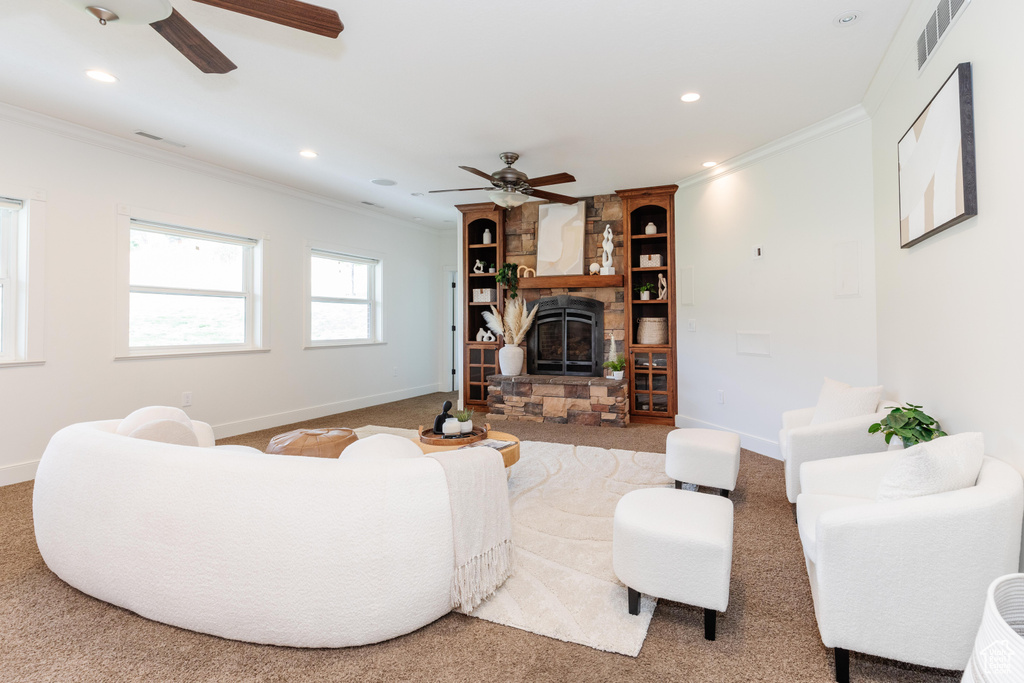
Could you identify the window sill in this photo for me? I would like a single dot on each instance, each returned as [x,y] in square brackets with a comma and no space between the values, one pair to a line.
[149,355]
[20,363]
[340,344]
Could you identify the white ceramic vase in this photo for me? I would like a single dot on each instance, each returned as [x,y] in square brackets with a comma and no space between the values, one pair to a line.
[651,229]
[451,426]
[510,360]
[466,426]
[645,295]
[487,236]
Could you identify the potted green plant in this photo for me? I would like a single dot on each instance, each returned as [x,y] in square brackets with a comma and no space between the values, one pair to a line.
[645,291]
[492,269]
[910,423]
[508,275]
[617,366]
[465,418]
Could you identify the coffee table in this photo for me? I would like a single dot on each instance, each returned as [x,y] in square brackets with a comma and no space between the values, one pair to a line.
[509,453]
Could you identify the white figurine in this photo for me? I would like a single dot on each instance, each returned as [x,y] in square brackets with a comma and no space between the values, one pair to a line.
[662,286]
[479,267]
[595,268]
[489,336]
[606,257]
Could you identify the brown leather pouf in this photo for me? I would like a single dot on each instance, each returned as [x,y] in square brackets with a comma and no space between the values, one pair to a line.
[314,443]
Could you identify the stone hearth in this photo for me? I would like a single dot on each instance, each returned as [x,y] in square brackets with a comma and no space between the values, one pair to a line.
[594,401]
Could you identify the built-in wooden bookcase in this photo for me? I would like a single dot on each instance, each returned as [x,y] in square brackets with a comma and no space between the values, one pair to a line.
[650,367]
[481,358]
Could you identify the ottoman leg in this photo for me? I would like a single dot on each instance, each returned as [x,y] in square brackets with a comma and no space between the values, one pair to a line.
[842,665]
[710,621]
[679,484]
[634,601]
[725,493]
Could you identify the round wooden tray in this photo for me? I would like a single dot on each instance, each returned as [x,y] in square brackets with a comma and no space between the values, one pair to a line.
[429,437]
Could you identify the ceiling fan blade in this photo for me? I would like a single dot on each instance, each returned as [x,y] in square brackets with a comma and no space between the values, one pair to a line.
[477,171]
[464,189]
[292,13]
[553,179]
[552,197]
[186,39]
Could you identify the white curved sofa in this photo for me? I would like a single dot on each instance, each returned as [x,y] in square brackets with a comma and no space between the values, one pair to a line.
[274,549]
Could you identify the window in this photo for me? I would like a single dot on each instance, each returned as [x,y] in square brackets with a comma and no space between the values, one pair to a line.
[190,290]
[9,219]
[344,302]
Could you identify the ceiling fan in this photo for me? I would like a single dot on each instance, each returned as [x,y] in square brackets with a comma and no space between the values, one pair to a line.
[510,187]
[186,38]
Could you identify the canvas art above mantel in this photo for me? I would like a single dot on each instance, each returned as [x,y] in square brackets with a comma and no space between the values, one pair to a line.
[938,185]
[560,234]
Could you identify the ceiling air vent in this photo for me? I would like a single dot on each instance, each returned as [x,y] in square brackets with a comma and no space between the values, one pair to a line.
[939,23]
[150,136]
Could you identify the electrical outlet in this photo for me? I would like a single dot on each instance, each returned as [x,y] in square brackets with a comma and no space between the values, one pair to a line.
[691,325]
[721,395]
[186,399]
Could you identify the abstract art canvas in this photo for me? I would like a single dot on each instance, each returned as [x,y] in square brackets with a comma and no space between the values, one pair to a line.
[560,233]
[938,186]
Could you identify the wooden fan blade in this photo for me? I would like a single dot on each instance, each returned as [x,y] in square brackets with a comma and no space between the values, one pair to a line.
[552,197]
[292,13]
[464,189]
[186,39]
[477,171]
[553,179]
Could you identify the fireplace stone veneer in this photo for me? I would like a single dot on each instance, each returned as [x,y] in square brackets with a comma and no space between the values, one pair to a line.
[593,401]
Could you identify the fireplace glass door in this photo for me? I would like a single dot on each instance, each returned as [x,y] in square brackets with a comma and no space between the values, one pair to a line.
[565,338]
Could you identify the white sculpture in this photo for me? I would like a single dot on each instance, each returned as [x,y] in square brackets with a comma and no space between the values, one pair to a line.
[595,268]
[606,258]
[479,267]
[662,286]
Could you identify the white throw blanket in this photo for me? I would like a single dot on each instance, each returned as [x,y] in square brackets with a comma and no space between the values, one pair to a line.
[481,523]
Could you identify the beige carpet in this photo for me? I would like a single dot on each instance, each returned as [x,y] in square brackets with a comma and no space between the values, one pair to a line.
[51,632]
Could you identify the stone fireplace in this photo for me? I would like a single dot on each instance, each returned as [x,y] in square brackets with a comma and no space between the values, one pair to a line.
[566,337]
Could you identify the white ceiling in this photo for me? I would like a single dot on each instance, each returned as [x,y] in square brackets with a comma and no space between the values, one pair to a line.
[413,89]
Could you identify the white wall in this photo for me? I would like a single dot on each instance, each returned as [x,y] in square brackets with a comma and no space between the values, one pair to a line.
[951,309]
[801,200]
[85,176]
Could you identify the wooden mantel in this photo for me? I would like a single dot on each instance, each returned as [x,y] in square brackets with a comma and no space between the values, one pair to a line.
[567,281]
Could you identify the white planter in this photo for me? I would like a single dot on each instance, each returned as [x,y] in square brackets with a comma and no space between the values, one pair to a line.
[451,426]
[466,427]
[510,360]
[617,374]
[645,296]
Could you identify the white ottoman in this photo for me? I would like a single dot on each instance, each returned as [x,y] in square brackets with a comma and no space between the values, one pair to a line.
[675,545]
[706,457]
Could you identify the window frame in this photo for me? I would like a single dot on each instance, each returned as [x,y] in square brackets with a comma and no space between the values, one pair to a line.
[374,295]
[254,276]
[22,271]
[9,279]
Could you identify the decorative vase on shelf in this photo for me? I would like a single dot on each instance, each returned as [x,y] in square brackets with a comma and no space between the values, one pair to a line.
[617,374]
[651,229]
[510,360]
[451,427]
[487,236]
[466,427]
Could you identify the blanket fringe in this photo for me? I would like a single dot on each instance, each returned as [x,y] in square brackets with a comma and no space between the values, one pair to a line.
[475,580]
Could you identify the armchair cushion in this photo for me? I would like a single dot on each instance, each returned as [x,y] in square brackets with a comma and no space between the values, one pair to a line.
[166,431]
[839,401]
[944,464]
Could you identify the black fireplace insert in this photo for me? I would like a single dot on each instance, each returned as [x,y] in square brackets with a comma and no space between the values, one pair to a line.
[566,337]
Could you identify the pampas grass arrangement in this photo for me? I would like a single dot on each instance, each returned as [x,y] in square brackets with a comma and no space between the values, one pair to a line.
[515,324]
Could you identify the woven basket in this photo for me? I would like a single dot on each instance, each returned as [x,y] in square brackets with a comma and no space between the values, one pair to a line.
[998,655]
[652,331]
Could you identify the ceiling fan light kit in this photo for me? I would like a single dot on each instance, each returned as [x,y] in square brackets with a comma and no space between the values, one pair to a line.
[507,200]
[126,11]
[512,187]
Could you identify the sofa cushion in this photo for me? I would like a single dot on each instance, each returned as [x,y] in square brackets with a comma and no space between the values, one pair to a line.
[809,507]
[944,464]
[149,414]
[381,446]
[838,401]
[166,431]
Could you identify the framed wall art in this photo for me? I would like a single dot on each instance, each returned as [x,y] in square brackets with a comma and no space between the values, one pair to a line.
[938,183]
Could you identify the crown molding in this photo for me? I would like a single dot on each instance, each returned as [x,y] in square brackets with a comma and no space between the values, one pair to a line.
[73,131]
[845,119]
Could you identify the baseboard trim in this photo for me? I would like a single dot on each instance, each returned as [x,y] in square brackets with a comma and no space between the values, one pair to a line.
[255,424]
[15,474]
[749,441]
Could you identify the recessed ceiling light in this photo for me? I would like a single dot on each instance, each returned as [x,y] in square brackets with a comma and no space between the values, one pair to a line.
[690,97]
[387,182]
[709,164]
[308,153]
[101,76]
[417,194]
[847,18]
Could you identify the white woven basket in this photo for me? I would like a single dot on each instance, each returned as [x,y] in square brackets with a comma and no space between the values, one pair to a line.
[998,655]
[652,331]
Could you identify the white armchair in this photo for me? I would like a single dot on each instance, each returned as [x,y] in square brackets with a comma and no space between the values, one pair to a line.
[904,579]
[800,441]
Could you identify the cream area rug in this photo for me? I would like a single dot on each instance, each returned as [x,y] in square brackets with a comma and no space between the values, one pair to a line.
[563,499]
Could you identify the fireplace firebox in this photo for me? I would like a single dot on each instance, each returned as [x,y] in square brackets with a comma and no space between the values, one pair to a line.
[566,337]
